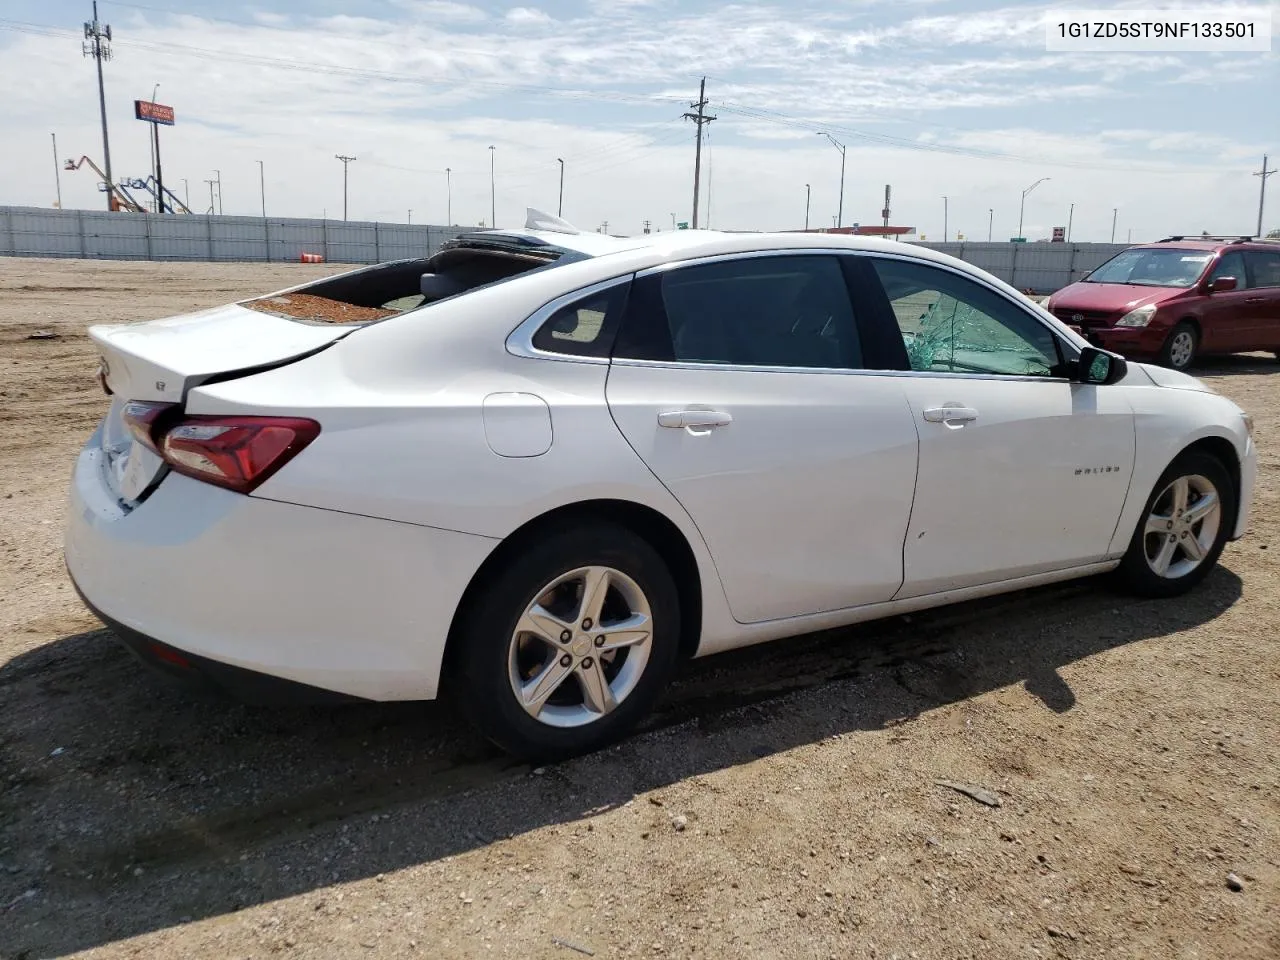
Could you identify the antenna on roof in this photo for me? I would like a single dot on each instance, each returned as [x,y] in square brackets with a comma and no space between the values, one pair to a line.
[537,220]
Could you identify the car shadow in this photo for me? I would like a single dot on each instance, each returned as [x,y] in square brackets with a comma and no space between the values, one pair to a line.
[126,806]
[1235,365]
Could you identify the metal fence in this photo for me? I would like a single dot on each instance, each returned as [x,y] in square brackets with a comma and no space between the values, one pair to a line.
[96,234]
[1038,267]
[99,235]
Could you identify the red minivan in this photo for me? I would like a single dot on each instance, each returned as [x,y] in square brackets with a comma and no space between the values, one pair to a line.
[1179,298]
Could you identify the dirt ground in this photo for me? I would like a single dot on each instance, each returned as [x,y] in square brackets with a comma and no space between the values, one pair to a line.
[783,803]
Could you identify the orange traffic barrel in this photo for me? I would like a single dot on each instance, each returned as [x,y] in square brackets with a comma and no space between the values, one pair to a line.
[312,258]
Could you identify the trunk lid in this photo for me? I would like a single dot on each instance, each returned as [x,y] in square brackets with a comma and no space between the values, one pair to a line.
[161,360]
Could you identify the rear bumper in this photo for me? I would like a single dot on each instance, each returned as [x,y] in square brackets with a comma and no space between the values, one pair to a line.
[240,585]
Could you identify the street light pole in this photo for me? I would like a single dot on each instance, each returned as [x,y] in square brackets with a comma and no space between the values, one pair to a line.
[1114,213]
[262,188]
[1023,204]
[839,146]
[448,192]
[560,208]
[155,142]
[1071,214]
[991,219]
[944,219]
[808,193]
[493,192]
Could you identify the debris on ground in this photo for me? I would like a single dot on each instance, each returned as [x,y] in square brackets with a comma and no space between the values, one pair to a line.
[569,945]
[981,794]
[679,822]
[43,335]
[1234,883]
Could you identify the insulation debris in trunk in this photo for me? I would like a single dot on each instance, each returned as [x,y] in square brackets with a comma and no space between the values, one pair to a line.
[306,306]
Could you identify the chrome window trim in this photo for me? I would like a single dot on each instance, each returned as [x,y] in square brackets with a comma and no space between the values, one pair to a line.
[520,340]
[843,371]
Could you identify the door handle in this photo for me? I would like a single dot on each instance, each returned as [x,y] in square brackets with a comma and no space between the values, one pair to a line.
[951,414]
[1256,300]
[678,419]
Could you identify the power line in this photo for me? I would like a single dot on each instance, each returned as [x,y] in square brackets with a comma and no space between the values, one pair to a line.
[701,119]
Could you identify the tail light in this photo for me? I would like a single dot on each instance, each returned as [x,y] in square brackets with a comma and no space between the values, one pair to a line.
[238,453]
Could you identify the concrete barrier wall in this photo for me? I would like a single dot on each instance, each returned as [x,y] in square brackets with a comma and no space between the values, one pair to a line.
[39,232]
[99,235]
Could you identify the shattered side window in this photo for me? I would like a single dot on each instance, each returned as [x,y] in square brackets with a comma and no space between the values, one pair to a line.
[951,325]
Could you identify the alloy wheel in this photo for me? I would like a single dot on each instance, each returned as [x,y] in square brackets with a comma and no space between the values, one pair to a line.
[1182,526]
[581,646]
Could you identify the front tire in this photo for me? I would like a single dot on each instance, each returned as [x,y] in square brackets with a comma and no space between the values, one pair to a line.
[570,644]
[1183,528]
[1180,347]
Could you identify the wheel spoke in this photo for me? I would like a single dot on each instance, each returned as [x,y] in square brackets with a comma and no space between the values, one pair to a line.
[543,624]
[595,587]
[1160,564]
[1202,509]
[1181,493]
[624,633]
[1191,547]
[1159,524]
[534,694]
[596,692]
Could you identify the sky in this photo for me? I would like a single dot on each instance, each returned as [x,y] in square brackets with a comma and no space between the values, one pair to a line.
[937,98]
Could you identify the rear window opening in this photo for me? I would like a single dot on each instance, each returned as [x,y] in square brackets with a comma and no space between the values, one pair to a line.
[388,289]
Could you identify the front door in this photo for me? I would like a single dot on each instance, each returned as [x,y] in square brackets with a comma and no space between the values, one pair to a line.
[737,382]
[1021,471]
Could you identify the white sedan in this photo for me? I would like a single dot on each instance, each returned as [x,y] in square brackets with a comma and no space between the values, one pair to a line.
[536,470]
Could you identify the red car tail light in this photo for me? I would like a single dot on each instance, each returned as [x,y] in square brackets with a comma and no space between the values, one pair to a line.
[238,453]
[144,420]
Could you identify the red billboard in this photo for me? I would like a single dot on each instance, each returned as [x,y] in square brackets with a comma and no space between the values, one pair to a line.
[153,112]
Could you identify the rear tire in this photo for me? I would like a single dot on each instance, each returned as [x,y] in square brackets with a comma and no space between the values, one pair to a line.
[1183,528]
[547,672]
[1180,347]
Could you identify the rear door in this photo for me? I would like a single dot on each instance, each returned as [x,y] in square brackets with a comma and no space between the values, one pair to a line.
[1021,470]
[1263,298]
[738,382]
[1226,321]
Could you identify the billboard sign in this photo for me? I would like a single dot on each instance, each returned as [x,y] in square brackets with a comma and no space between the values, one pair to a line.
[1059,234]
[153,112]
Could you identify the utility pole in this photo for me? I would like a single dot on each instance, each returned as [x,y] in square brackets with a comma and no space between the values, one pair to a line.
[262,189]
[808,195]
[560,209]
[1262,190]
[701,118]
[888,190]
[410,220]
[345,160]
[211,207]
[1114,212]
[944,219]
[493,191]
[186,194]
[991,219]
[646,226]
[1070,216]
[97,44]
[58,174]
[155,149]
[218,174]
[448,190]
[839,146]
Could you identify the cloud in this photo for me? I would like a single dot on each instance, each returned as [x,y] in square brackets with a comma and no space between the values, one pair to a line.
[527,15]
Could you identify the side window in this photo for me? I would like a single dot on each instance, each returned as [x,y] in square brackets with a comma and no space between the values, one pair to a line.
[1230,265]
[1266,268]
[586,327]
[777,311]
[951,324]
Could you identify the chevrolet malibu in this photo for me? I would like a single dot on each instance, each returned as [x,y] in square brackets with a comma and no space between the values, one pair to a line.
[537,469]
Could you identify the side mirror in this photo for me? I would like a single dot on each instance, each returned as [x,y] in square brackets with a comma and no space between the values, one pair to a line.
[1099,367]
[1222,284]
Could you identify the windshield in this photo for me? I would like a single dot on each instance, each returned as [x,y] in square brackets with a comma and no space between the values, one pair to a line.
[1147,267]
